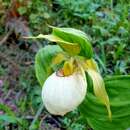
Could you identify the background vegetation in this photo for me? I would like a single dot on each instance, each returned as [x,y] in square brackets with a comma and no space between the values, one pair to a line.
[107,22]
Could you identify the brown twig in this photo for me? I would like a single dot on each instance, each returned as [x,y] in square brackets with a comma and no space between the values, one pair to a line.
[5,37]
[43,118]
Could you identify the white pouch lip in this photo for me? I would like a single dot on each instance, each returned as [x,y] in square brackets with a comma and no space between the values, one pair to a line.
[63,94]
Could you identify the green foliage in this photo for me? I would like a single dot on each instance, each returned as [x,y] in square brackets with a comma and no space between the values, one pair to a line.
[1,71]
[78,8]
[73,121]
[10,117]
[118,90]
[22,10]
[6,109]
[39,14]
[107,22]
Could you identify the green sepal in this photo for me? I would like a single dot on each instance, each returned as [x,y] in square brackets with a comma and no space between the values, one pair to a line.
[72,41]
[75,36]
[43,62]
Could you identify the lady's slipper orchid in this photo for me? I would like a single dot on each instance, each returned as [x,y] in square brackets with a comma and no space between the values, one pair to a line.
[63,94]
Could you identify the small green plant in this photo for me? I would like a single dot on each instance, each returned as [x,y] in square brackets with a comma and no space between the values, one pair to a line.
[72,55]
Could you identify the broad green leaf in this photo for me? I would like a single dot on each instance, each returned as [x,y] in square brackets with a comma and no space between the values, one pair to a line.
[75,36]
[99,89]
[10,119]
[43,62]
[118,89]
[7,118]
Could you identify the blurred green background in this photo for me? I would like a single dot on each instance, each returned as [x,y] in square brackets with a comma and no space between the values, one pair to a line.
[107,22]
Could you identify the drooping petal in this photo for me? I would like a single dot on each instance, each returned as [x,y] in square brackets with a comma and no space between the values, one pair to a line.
[99,89]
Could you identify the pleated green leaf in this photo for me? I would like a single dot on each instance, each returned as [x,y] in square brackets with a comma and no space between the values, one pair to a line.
[43,62]
[118,89]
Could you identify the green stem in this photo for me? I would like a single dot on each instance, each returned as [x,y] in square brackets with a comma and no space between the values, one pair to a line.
[36,116]
[103,55]
[111,5]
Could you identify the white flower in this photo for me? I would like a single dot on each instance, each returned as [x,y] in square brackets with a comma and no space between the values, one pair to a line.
[63,94]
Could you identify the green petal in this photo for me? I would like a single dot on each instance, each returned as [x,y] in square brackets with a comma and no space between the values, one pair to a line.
[71,48]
